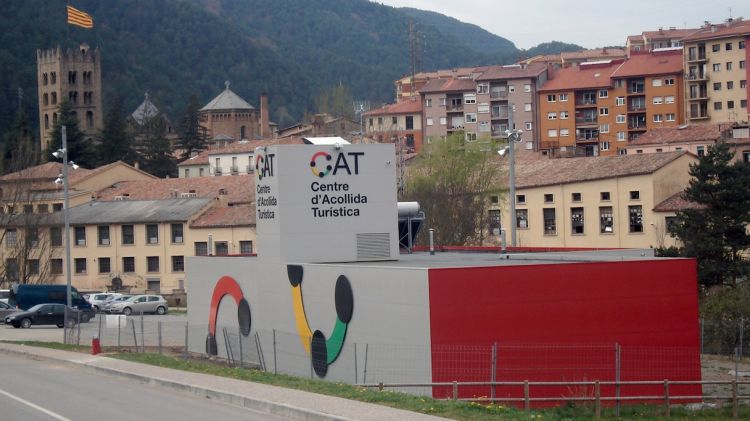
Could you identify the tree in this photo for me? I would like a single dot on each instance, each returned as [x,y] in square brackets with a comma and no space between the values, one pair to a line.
[20,149]
[715,231]
[336,101]
[453,182]
[193,136]
[115,143]
[157,154]
[80,148]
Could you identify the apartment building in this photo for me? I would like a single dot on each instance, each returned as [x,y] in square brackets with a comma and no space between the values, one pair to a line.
[694,138]
[654,40]
[408,87]
[597,202]
[401,121]
[716,71]
[596,108]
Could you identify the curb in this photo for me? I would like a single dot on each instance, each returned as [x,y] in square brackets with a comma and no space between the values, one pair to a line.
[268,407]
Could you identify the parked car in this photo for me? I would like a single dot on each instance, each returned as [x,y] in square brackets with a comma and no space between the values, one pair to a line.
[5,310]
[26,296]
[98,300]
[107,305]
[43,314]
[141,304]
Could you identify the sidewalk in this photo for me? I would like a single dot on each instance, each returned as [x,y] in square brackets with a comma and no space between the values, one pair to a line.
[289,403]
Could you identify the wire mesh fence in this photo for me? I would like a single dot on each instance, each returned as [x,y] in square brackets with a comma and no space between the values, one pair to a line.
[725,337]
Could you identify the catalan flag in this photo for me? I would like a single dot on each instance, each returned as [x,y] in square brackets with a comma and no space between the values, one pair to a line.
[78,18]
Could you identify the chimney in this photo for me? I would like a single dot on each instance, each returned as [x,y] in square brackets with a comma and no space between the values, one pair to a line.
[265,128]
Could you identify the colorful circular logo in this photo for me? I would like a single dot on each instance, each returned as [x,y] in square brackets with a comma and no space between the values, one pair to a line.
[314,165]
[227,286]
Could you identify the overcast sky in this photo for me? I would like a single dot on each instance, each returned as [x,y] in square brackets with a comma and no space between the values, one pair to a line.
[584,22]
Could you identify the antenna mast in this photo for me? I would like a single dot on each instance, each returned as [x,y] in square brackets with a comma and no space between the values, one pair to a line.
[414,55]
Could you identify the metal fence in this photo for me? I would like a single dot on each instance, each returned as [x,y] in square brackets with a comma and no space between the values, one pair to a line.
[725,337]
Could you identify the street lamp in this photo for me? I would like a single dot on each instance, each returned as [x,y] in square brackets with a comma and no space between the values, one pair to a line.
[63,179]
[514,136]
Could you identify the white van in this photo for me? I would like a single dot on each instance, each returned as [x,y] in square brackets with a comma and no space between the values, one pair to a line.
[4,295]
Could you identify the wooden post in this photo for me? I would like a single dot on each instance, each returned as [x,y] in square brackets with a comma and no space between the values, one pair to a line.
[666,398]
[455,390]
[735,401]
[526,402]
[598,403]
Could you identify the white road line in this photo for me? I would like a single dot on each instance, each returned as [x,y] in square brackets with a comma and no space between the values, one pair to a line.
[37,407]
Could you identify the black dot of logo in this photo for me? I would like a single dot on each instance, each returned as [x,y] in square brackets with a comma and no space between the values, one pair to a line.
[328,167]
[329,157]
[312,163]
[321,175]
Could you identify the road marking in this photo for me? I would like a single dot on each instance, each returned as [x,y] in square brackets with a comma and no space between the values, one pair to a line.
[37,407]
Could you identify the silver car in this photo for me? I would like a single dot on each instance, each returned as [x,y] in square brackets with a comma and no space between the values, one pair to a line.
[98,300]
[139,304]
[5,310]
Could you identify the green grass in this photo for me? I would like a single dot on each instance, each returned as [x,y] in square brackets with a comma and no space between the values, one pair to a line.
[447,409]
[53,345]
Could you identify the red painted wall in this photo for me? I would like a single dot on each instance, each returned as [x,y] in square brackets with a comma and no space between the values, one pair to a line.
[560,322]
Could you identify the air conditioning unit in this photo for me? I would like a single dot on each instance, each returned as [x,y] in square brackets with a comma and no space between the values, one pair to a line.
[105,241]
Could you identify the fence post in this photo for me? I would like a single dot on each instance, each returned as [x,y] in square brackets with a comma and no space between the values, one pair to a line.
[367,349]
[78,338]
[187,326]
[100,329]
[311,359]
[239,337]
[275,368]
[455,390]
[667,411]
[526,402]
[702,323]
[742,335]
[493,375]
[355,363]
[597,396]
[735,401]
[135,337]
[143,336]
[159,326]
[618,355]
[119,323]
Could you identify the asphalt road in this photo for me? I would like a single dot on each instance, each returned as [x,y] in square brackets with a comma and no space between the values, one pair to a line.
[39,390]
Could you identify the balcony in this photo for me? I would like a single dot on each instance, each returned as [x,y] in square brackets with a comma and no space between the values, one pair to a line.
[637,90]
[217,171]
[637,127]
[454,108]
[699,116]
[499,115]
[587,139]
[249,169]
[495,96]
[234,169]
[695,77]
[696,57]
[637,108]
[590,102]
[586,120]
[698,96]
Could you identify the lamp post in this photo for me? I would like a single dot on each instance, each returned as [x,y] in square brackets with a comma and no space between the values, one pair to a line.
[514,136]
[63,153]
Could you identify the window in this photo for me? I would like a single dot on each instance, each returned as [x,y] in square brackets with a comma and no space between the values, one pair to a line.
[429,121]
[32,266]
[742,64]
[127,234]
[635,195]
[669,99]
[717,105]
[635,213]
[471,117]
[527,106]
[729,65]
[470,99]
[715,47]
[658,100]
[443,121]
[80,236]
[11,237]
[528,125]
[511,88]
[152,234]
[604,146]
[522,218]
[527,88]
[103,235]
[28,208]
[620,118]
[427,103]
[563,97]
[32,237]
[201,248]
[552,133]
[549,198]
[701,150]
[564,132]
[658,118]
[604,111]
[56,266]
[222,248]
[152,263]
[177,237]
[604,196]
[743,84]
[728,46]
[483,88]
[55,237]
[730,85]
[730,105]
[550,223]
[551,98]
[551,116]
[178,263]
[128,264]
[716,67]
[494,218]
[443,101]
[717,86]
[603,93]
[576,220]
[394,121]
[604,128]
[80,265]
[520,198]
[606,220]
[741,45]
[620,100]
[669,81]
[576,197]
[246,247]
[670,117]
[104,265]
[471,136]
[564,115]
[743,103]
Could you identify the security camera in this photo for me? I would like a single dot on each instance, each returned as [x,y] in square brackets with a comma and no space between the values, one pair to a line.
[58,181]
[502,152]
[74,165]
[338,145]
[58,153]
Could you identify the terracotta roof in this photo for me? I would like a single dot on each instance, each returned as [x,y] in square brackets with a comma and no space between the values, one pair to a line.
[404,107]
[227,100]
[575,77]
[239,147]
[672,33]
[199,159]
[675,203]
[226,216]
[513,72]
[549,172]
[449,85]
[735,28]
[543,59]
[653,63]
[46,171]
[635,38]
[681,134]
[238,188]
[602,53]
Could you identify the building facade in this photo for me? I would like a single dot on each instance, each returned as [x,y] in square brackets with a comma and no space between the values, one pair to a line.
[229,118]
[399,122]
[75,75]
